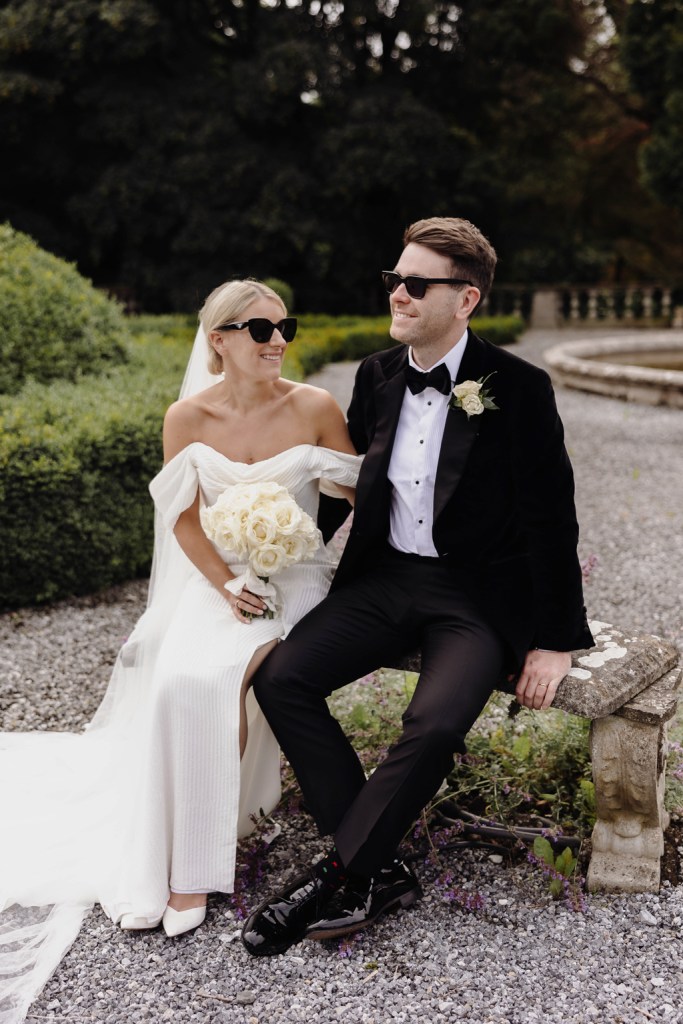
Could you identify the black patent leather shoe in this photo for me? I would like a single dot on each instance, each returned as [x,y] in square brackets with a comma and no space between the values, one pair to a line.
[282,919]
[358,906]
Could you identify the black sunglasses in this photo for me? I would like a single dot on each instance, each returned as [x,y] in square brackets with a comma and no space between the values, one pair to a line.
[416,286]
[261,329]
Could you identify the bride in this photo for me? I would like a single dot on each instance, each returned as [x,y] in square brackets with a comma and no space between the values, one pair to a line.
[142,812]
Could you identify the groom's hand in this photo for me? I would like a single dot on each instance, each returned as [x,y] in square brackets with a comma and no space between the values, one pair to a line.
[540,676]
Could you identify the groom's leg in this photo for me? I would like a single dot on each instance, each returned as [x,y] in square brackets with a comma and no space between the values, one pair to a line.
[352,632]
[462,662]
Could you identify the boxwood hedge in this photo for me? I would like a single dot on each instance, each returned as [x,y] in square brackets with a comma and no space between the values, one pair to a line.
[76,458]
[325,339]
[53,324]
[75,462]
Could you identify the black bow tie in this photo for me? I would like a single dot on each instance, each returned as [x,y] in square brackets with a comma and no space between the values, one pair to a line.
[438,378]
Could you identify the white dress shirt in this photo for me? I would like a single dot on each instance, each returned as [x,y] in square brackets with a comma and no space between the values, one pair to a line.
[414,458]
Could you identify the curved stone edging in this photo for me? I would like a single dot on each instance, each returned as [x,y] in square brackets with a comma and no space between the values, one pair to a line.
[575,365]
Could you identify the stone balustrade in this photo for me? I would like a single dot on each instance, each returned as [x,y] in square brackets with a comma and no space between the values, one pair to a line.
[628,686]
[576,305]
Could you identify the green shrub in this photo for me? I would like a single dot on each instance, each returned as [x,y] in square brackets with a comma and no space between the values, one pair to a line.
[75,464]
[527,765]
[282,289]
[499,330]
[53,324]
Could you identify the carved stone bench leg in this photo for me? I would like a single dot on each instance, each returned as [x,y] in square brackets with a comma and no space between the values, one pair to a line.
[628,753]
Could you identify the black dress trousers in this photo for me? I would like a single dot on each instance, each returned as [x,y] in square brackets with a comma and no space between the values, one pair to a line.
[405,602]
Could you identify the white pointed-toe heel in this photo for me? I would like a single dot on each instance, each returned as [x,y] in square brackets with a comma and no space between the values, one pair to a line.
[131,923]
[178,921]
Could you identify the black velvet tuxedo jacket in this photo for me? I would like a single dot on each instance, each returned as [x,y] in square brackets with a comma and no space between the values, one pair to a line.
[504,516]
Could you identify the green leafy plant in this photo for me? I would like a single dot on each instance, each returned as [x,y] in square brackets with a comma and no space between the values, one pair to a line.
[560,866]
[527,765]
[284,290]
[53,324]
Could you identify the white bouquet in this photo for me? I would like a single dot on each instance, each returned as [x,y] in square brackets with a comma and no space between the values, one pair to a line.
[262,525]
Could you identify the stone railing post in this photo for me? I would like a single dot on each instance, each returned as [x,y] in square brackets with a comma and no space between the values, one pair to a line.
[544,308]
[628,751]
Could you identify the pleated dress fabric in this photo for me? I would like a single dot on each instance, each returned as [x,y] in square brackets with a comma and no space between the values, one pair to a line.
[153,796]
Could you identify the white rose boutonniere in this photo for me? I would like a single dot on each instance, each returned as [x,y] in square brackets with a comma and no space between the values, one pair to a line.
[472,397]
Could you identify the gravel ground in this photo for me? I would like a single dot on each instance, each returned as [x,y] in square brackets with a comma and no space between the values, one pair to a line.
[521,957]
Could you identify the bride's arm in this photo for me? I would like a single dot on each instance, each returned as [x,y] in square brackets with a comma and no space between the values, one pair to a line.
[178,434]
[333,433]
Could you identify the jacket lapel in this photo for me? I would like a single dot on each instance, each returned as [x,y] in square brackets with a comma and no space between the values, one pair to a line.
[389,389]
[460,430]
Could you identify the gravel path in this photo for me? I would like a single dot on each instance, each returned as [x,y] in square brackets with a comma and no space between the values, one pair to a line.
[522,958]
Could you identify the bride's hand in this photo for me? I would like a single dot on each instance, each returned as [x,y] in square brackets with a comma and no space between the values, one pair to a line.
[246,605]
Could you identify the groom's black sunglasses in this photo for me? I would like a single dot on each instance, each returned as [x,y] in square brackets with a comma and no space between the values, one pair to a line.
[261,329]
[416,286]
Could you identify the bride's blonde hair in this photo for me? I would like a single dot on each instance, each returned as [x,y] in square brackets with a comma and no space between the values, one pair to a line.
[228,302]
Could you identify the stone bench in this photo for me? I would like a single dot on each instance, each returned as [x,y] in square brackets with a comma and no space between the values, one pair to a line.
[628,687]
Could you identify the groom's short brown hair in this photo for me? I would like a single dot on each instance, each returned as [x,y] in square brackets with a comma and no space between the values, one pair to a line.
[472,255]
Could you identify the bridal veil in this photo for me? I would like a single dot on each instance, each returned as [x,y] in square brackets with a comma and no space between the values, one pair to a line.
[64,796]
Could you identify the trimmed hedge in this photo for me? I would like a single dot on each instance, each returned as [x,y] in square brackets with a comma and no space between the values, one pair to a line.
[53,324]
[76,458]
[75,464]
[284,290]
[324,339]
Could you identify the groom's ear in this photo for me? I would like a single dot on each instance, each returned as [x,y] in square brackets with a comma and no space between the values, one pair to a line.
[332,512]
[469,300]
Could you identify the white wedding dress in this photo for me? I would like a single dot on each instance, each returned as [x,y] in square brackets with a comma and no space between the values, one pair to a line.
[153,794]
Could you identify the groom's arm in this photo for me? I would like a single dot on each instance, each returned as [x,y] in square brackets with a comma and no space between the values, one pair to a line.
[361,413]
[541,674]
[545,494]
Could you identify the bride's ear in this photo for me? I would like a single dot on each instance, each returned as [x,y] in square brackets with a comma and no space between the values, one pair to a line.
[216,341]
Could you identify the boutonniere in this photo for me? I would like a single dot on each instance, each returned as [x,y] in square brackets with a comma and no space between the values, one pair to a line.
[472,397]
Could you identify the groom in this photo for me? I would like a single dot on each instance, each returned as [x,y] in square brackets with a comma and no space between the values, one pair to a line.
[463,544]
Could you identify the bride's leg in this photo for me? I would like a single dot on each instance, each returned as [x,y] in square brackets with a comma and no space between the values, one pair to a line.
[189,900]
[258,657]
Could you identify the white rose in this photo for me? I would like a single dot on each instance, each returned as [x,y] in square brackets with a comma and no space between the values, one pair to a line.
[295,548]
[268,560]
[312,537]
[468,387]
[236,503]
[261,527]
[299,547]
[288,517]
[266,493]
[472,405]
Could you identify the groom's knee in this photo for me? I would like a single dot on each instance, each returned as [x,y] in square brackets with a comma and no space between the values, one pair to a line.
[274,679]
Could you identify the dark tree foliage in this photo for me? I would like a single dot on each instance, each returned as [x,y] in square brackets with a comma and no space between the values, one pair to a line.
[166,145]
[653,55]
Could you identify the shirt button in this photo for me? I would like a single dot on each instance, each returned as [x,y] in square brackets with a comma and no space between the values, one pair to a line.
[421,441]
[420,522]
[417,481]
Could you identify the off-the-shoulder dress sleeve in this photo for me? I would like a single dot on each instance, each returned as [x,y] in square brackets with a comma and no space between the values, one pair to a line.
[174,488]
[337,468]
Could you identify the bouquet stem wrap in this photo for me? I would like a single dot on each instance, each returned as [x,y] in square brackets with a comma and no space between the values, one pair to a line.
[259,585]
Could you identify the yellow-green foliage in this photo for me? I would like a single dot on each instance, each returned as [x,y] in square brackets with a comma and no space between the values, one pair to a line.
[53,324]
[325,339]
